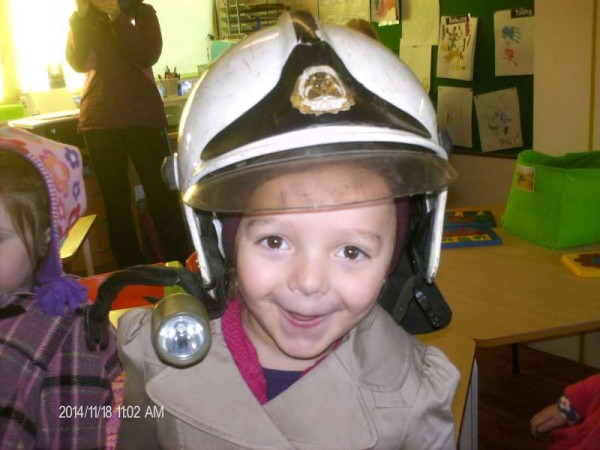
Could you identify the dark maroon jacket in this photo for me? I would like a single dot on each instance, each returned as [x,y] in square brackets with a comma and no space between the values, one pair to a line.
[117,58]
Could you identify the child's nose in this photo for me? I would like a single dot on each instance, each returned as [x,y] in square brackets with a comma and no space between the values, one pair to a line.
[309,275]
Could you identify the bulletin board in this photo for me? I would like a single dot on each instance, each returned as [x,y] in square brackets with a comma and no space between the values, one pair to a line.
[484,79]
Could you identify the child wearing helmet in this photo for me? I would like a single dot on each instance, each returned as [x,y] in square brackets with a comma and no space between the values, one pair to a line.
[54,392]
[311,184]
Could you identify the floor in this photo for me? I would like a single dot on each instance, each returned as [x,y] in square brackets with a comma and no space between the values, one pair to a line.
[507,401]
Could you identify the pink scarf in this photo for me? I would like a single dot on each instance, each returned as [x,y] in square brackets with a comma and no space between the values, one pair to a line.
[243,352]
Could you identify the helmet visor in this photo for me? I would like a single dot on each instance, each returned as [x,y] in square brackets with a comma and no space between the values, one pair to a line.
[314,178]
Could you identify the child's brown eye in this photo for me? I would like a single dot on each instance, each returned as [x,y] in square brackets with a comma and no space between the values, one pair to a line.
[274,242]
[352,252]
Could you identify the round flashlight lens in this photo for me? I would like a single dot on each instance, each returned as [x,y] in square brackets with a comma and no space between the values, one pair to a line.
[181,337]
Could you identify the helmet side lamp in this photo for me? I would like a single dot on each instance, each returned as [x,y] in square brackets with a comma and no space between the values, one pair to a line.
[181,330]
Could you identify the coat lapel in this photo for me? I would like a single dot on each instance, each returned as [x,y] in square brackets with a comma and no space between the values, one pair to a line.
[323,410]
[327,407]
[217,402]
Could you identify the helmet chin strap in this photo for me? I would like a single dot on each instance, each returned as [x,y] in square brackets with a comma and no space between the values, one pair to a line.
[408,281]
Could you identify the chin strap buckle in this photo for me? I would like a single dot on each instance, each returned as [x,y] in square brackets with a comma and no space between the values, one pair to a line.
[428,310]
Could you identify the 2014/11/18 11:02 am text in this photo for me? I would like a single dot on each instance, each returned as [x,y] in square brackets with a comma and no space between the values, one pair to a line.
[107,411]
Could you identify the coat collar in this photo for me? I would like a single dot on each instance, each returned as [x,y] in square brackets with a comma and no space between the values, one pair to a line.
[306,415]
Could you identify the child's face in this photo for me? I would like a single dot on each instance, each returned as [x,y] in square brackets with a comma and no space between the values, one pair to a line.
[16,267]
[308,278]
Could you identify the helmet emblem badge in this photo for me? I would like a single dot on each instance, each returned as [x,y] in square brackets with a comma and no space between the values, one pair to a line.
[319,90]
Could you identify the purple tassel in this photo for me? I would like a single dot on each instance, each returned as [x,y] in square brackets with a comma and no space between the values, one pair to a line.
[53,296]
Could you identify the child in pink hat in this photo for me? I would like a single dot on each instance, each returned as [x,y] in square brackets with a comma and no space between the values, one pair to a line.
[54,392]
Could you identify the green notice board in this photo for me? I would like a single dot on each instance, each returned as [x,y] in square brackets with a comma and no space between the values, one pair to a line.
[484,78]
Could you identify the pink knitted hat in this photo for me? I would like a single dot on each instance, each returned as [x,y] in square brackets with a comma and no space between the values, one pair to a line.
[61,168]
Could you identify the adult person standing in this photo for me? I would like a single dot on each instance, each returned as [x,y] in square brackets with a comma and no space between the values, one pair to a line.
[115,43]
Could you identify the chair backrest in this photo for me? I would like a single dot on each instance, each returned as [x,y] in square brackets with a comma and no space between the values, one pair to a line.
[129,297]
[134,296]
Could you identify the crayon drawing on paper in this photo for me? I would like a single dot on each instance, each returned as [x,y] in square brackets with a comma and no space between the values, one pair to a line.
[384,11]
[454,112]
[513,36]
[456,47]
[499,120]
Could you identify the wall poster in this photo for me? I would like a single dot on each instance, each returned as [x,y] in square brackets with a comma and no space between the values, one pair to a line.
[456,48]
[341,11]
[513,36]
[454,113]
[499,120]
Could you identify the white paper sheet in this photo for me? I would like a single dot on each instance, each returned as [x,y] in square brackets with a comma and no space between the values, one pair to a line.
[308,5]
[454,113]
[420,19]
[499,120]
[456,48]
[341,11]
[418,58]
[513,35]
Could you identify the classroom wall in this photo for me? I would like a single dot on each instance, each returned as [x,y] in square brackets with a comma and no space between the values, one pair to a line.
[482,180]
[185,25]
[563,85]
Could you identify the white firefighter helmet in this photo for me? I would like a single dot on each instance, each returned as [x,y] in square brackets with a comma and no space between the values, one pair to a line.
[297,95]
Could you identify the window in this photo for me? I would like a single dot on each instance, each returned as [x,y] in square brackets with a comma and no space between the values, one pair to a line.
[39,36]
[36,35]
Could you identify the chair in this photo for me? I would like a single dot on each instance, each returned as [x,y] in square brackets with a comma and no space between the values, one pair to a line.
[76,240]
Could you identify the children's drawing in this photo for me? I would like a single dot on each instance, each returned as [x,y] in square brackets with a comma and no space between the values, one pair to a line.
[385,12]
[418,58]
[456,47]
[420,20]
[499,120]
[338,12]
[513,33]
[454,111]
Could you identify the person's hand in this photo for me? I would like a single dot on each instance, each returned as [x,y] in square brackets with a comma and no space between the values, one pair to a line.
[81,7]
[110,7]
[547,419]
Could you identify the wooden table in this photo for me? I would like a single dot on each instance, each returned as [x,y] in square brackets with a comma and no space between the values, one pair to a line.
[76,240]
[516,292]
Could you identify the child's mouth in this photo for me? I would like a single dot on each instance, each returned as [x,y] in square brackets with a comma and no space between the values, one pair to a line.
[303,321]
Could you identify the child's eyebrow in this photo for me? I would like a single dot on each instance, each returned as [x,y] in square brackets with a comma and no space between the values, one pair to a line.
[370,235]
[256,222]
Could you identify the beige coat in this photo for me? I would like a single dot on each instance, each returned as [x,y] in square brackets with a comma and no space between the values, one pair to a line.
[380,389]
